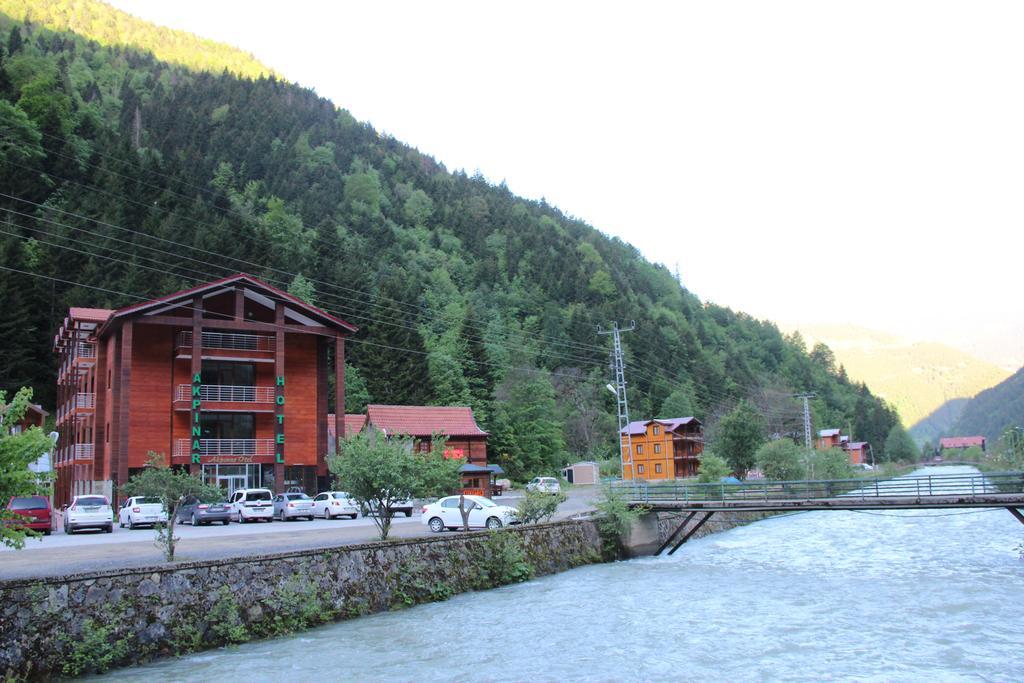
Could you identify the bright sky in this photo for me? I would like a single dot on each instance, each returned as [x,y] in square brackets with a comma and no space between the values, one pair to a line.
[808,162]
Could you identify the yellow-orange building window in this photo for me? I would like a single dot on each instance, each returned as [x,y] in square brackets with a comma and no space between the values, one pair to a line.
[657,468]
[657,448]
[639,449]
[657,430]
[639,469]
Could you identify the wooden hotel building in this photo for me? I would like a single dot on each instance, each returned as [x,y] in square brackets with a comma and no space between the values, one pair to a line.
[228,380]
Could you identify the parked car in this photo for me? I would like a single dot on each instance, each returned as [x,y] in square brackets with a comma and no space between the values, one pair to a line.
[445,514]
[88,512]
[331,504]
[141,510]
[34,512]
[196,512]
[292,505]
[252,505]
[403,506]
[544,485]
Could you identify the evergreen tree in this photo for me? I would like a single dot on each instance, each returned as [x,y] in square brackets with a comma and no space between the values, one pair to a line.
[899,447]
[738,436]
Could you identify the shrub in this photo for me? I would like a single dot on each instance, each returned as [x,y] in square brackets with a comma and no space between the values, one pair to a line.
[538,506]
[712,468]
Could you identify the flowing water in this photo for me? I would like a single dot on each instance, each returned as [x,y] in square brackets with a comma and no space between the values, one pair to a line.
[932,595]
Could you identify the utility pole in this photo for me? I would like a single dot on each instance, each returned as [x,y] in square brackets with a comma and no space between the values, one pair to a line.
[620,393]
[807,417]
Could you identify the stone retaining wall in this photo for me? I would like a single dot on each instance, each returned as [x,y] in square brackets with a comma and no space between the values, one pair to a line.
[90,622]
[720,521]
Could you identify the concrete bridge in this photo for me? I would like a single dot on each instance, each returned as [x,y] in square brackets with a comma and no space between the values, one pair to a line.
[943,491]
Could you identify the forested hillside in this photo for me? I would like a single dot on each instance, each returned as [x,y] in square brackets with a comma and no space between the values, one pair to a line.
[122,176]
[994,410]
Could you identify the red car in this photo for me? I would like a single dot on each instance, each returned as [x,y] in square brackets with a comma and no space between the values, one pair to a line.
[35,510]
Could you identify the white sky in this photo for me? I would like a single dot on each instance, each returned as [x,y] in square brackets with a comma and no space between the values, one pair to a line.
[808,162]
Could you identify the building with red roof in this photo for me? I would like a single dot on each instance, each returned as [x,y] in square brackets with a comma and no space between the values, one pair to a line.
[662,449]
[464,438]
[952,442]
[229,380]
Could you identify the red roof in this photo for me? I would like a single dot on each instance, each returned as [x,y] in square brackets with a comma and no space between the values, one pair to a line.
[186,294]
[353,424]
[962,442]
[424,421]
[96,314]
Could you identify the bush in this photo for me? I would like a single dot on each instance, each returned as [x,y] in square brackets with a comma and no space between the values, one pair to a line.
[538,506]
[614,521]
[780,460]
[712,468]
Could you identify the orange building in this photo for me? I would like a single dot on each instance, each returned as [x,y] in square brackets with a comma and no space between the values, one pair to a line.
[228,380]
[662,449]
[834,438]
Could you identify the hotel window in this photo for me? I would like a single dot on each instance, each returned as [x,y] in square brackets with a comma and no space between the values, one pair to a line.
[657,448]
[639,469]
[657,430]
[657,468]
[639,449]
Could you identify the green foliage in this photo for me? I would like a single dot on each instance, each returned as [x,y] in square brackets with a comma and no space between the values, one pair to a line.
[781,460]
[378,471]
[833,463]
[171,486]
[899,447]
[98,646]
[538,506]
[502,559]
[712,468]
[738,437]
[531,439]
[677,404]
[225,620]
[303,289]
[17,452]
[295,605]
[614,520]
[357,396]
[994,410]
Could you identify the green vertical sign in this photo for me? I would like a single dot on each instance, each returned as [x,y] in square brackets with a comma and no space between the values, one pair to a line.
[197,431]
[279,426]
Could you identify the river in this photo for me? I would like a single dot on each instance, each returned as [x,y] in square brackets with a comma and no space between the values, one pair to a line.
[907,596]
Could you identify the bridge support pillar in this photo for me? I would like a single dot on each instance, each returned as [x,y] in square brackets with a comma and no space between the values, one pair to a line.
[1016,513]
[642,537]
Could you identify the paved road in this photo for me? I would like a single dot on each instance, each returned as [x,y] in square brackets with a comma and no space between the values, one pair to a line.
[60,554]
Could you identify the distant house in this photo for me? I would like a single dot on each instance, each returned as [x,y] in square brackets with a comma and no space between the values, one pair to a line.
[464,437]
[662,449]
[961,442]
[834,438]
[587,472]
[34,416]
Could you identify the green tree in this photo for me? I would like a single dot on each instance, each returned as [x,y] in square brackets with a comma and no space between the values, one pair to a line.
[832,463]
[781,460]
[538,506]
[738,436]
[302,288]
[530,437]
[17,452]
[677,404]
[171,486]
[712,468]
[357,396]
[378,471]
[899,447]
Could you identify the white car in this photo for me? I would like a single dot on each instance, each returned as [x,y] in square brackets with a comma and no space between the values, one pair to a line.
[445,514]
[544,485]
[252,505]
[141,510]
[88,512]
[291,505]
[331,504]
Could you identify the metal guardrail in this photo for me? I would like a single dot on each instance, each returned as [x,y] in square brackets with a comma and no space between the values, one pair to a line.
[857,489]
[227,393]
[230,340]
[257,447]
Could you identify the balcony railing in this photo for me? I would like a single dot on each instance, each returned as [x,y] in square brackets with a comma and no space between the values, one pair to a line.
[230,341]
[227,393]
[84,451]
[253,447]
[83,400]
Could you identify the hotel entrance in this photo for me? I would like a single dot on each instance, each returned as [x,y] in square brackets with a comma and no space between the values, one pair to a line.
[230,478]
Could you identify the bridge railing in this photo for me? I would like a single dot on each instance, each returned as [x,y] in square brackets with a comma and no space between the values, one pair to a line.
[764,490]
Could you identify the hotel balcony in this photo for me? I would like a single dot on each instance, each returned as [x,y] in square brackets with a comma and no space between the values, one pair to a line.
[78,358]
[80,406]
[257,348]
[227,398]
[226,447]
[84,451]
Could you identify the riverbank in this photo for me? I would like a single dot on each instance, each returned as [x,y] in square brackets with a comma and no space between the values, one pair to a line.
[94,621]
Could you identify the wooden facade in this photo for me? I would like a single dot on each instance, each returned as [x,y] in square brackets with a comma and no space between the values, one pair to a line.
[857,451]
[662,449]
[227,380]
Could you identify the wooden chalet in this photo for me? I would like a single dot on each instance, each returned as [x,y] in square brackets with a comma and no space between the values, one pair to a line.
[662,449]
[228,380]
[857,451]
[961,442]
[464,438]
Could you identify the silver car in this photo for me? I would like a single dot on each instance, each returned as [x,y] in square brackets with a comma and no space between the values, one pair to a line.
[293,505]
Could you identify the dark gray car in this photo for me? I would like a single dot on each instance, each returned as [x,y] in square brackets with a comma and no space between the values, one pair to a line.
[196,512]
